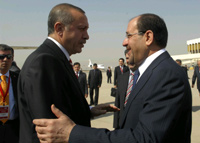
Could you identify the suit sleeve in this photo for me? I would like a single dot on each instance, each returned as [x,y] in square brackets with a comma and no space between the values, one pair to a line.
[194,77]
[42,84]
[162,108]
[100,78]
[86,87]
[116,114]
[89,77]
[115,76]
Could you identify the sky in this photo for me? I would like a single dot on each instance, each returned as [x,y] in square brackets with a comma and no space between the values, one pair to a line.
[24,23]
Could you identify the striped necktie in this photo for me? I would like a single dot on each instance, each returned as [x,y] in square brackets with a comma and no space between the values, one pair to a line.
[129,89]
[131,85]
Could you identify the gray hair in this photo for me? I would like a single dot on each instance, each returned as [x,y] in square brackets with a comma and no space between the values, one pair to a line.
[61,13]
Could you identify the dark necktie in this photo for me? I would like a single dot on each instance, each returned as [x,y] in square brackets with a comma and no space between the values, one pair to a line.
[70,61]
[76,74]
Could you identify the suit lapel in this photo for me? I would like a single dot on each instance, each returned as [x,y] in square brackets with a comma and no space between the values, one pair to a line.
[14,84]
[141,83]
[58,52]
[14,78]
[124,84]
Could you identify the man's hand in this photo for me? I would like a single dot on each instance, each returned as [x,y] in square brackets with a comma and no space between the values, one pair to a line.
[192,85]
[54,130]
[102,109]
[86,95]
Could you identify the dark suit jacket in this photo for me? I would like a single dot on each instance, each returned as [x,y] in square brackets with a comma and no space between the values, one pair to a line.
[185,70]
[10,131]
[158,110]
[48,78]
[94,78]
[196,75]
[14,67]
[118,72]
[14,77]
[109,73]
[120,97]
[83,82]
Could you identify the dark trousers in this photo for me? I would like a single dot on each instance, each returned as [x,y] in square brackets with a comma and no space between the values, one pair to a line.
[9,132]
[109,79]
[95,101]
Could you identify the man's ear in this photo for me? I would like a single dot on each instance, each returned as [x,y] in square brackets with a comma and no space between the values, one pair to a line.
[59,28]
[149,37]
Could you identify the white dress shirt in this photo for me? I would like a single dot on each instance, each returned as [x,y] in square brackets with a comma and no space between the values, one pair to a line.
[12,102]
[142,68]
[61,47]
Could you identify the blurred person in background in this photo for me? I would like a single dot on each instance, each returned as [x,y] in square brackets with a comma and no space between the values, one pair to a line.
[82,78]
[196,75]
[119,70]
[94,83]
[109,75]
[9,114]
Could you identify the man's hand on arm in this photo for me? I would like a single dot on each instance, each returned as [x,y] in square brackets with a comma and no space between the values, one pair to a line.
[103,109]
[54,130]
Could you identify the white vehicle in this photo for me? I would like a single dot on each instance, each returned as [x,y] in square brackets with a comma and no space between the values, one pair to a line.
[99,66]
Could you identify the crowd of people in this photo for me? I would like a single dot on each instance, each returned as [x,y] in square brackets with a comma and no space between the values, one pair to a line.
[45,100]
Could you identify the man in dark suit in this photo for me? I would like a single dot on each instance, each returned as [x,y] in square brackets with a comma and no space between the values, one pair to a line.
[159,107]
[179,62]
[119,70]
[196,75]
[94,83]
[47,76]
[9,124]
[81,76]
[123,82]
[109,75]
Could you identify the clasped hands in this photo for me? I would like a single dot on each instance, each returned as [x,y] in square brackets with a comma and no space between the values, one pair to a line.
[58,130]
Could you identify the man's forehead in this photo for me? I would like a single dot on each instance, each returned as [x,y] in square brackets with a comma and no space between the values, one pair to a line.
[7,51]
[132,25]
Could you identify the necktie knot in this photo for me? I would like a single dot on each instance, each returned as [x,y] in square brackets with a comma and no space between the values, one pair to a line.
[3,77]
[70,61]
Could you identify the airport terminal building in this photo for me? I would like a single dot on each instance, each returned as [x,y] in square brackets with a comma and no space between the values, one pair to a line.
[193,46]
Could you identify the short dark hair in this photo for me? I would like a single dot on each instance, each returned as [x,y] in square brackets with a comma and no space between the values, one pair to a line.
[125,52]
[4,47]
[61,13]
[157,25]
[94,64]
[121,59]
[178,60]
[77,63]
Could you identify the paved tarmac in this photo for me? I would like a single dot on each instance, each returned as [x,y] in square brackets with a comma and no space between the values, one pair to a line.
[106,121]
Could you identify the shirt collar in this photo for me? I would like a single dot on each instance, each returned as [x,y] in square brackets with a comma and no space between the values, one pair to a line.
[142,68]
[7,74]
[61,47]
